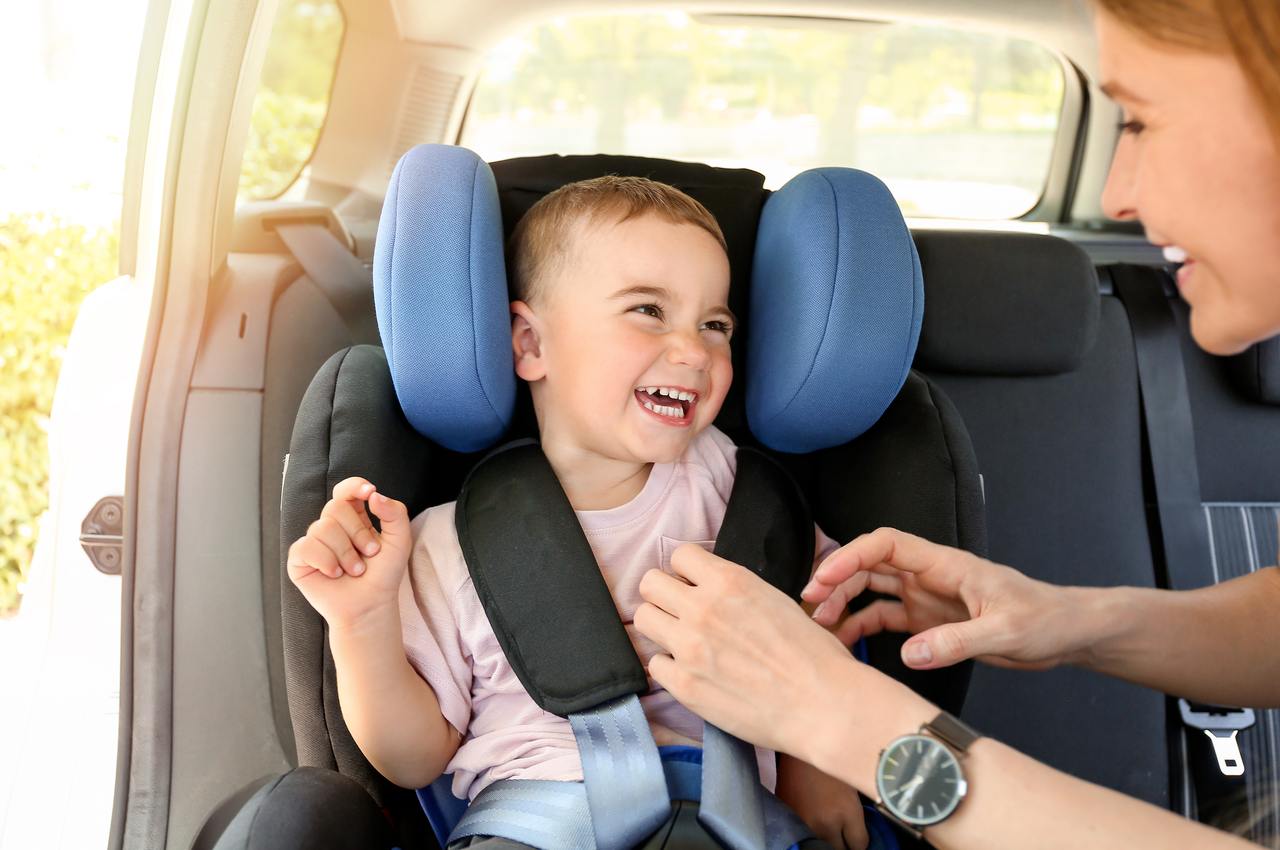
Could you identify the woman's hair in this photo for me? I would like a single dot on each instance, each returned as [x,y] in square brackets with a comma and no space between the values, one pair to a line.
[1247,29]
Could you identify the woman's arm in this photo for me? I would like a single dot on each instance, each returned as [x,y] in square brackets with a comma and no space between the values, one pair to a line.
[1217,644]
[1013,800]
[392,713]
[746,658]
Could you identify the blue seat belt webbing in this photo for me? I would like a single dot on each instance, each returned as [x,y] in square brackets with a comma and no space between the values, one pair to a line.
[731,808]
[622,772]
[556,816]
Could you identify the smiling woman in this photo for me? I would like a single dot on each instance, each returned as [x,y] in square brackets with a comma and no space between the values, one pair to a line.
[1199,165]
[1199,81]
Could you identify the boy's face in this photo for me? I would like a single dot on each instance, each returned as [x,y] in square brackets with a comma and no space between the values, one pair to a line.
[634,306]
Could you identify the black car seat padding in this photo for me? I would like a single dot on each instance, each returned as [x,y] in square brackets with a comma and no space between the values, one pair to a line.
[543,591]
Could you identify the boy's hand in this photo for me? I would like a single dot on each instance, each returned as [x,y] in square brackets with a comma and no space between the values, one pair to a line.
[343,567]
[832,809]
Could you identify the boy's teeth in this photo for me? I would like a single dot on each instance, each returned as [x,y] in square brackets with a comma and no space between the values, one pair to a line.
[1174,254]
[673,412]
[669,392]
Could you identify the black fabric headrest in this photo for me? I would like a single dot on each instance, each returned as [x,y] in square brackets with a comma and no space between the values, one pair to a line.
[1005,303]
[1257,371]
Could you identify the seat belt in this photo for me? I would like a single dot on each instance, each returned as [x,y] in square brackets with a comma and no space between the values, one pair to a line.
[339,274]
[1213,769]
[527,556]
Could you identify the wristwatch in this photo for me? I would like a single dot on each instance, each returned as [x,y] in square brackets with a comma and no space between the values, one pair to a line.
[919,781]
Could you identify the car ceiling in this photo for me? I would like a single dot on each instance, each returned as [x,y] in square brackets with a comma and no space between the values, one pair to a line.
[1062,25]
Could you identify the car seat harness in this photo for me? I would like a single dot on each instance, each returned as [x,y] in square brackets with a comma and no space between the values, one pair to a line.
[528,556]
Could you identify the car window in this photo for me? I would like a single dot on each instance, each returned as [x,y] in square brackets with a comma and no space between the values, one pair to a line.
[293,97]
[959,124]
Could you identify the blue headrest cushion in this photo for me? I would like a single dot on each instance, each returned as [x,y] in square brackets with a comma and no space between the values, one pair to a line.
[836,304]
[837,299]
[440,289]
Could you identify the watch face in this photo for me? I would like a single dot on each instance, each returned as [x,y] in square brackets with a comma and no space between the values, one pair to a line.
[919,780]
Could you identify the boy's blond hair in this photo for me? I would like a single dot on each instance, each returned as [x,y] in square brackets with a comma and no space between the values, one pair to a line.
[544,236]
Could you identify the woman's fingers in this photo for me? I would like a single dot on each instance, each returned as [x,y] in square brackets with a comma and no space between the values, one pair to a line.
[888,546]
[880,616]
[664,591]
[884,580]
[696,565]
[659,626]
[952,643]
[355,522]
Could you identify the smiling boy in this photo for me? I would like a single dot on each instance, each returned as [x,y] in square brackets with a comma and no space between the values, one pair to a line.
[622,330]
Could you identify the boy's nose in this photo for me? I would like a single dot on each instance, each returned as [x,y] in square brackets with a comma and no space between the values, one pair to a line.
[689,350]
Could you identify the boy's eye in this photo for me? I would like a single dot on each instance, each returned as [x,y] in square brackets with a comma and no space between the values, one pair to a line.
[648,310]
[718,326]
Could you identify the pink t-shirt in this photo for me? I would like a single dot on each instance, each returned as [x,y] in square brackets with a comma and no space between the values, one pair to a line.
[448,640]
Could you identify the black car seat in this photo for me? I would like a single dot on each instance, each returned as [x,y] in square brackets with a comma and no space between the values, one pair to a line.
[913,468]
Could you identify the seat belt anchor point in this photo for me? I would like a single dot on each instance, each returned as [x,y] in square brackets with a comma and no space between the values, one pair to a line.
[1227,751]
[1221,724]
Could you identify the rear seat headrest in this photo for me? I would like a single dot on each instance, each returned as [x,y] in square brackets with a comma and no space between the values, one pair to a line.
[1006,303]
[1257,371]
[835,304]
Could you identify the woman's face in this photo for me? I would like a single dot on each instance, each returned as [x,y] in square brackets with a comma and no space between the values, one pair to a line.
[1198,165]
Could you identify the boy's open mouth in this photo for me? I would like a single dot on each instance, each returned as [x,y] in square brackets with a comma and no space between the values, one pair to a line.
[672,404]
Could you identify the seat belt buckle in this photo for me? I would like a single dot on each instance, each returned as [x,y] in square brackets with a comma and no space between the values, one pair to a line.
[1221,725]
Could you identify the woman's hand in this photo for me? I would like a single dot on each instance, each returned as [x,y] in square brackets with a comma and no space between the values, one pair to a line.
[740,653]
[961,606]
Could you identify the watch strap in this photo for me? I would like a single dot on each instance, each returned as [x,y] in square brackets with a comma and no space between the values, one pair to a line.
[952,731]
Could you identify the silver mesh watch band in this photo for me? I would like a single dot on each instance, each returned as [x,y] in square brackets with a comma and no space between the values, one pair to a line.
[952,731]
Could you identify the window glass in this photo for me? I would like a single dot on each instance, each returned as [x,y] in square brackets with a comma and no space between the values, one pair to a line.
[289,109]
[959,124]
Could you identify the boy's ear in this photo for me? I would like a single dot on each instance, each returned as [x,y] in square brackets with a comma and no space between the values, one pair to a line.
[526,343]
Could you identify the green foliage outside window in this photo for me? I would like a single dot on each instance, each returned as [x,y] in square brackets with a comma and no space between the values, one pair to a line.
[47,267]
[289,110]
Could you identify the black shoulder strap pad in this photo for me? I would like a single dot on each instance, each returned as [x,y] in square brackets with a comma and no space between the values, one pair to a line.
[540,585]
[767,525]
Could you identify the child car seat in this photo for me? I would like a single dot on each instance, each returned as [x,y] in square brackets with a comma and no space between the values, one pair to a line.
[835,286]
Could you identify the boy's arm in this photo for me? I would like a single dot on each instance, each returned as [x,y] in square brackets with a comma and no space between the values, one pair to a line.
[392,713]
[355,577]
[832,809]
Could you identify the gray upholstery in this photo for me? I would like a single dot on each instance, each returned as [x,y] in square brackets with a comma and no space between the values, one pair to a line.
[1061,458]
[1237,434]
[1257,372]
[1005,303]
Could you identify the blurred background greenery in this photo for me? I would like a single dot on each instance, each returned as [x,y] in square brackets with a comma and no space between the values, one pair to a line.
[959,124]
[47,267]
[50,262]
